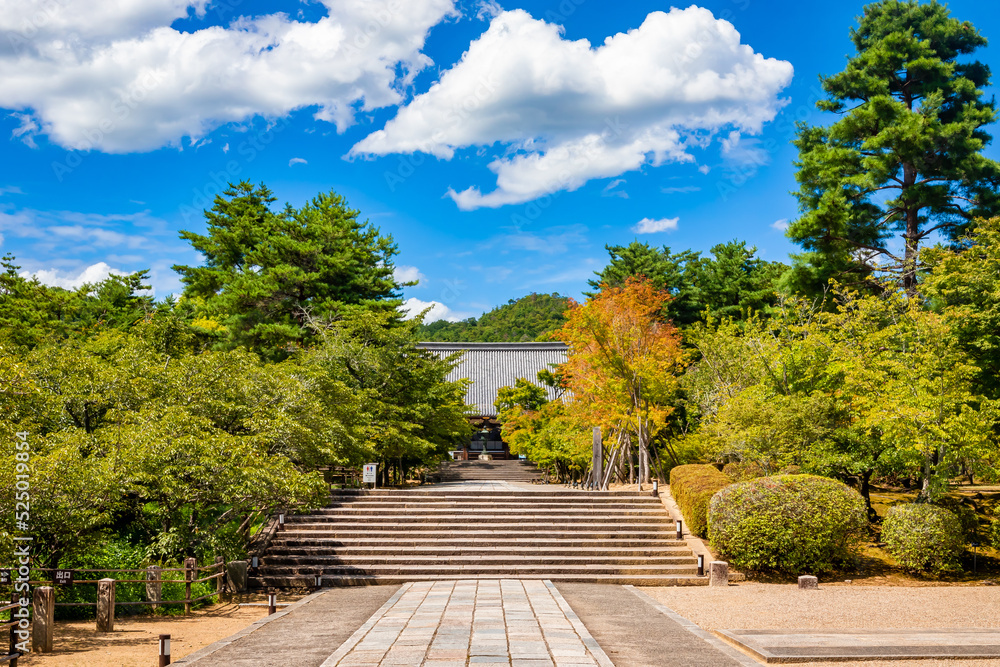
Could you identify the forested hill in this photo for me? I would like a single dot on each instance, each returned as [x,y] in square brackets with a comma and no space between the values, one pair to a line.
[524,319]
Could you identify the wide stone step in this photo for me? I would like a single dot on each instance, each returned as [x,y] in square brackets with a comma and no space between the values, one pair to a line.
[354,560]
[448,509]
[258,583]
[465,524]
[431,492]
[445,552]
[486,520]
[407,540]
[456,569]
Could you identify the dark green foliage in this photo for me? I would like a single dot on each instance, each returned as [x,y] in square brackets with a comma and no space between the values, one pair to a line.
[31,312]
[730,283]
[693,486]
[905,158]
[268,275]
[995,534]
[924,537]
[788,523]
[526,319]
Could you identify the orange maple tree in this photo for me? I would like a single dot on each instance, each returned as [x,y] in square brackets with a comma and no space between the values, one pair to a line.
[623,362]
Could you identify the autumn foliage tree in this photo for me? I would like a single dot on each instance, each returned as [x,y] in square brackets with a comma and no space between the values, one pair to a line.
[623,365]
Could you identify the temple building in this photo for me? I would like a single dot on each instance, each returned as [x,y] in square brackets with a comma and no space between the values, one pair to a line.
[490,366]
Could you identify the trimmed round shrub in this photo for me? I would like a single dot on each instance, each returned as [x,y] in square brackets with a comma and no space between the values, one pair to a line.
[787,523]
[924,537]
[692,486]
[995,534]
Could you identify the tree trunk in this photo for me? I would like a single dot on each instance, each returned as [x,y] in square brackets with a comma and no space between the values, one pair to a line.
[912,235]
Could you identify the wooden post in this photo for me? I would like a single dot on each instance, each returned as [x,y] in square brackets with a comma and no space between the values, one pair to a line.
[189,569]
[272,602]
[44,617]
[106,605]
[220,569]
[14,599]
[597,458]
[154,585]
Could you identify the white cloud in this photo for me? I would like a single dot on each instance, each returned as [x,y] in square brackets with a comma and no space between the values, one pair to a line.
[780,225]
[408,274]
[297,160]
[10,190]
[567,113]
[116,77]
[610,191]
[704,169]
[26,131]
[745,154]
[94,273]
[683,189]
[556,240]
[650,226]
[438,311]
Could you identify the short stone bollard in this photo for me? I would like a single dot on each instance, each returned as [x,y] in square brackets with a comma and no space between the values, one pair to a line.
[44,617]
[164,650]
[718,573]
[236,570]
[154,585]
[106,605]
[808,582]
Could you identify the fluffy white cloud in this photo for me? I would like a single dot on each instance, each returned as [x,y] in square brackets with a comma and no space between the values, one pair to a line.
[114,76]
[780,225]
[650,226]
[297,160]
[568,113]
[408,274]
[438,311]
[69,280]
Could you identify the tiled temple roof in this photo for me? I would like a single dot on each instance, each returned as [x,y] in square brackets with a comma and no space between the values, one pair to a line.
[494,365]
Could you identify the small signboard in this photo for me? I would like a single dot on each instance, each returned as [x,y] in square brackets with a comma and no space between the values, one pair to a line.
[64,577]
[4,577]
[370,470]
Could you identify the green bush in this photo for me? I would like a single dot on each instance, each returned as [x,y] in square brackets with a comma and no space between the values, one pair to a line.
[924,537]
[787,523]
[995,534]
[693,486]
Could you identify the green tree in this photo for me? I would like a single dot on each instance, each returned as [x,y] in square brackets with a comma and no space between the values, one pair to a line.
[267,275]
[529,318]
[731,282]
[407,412]
[906,154]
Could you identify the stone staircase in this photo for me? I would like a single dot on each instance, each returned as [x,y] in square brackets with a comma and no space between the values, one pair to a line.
[510,470]
[390,536]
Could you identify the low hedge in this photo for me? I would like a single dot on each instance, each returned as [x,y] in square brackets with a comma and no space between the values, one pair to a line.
[995,534]
[787,523]
[693,486]
[924,537]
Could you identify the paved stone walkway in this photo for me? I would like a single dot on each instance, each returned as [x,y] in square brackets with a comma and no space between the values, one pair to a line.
[521,623]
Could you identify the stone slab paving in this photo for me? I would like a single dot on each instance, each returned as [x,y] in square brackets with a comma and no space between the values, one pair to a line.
[520,623]
[791,646]
[636,631]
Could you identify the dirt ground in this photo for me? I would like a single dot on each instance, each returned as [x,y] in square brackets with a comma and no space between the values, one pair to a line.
[839,606]
[135,641]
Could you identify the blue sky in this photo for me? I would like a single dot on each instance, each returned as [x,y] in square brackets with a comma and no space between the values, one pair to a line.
[500,172]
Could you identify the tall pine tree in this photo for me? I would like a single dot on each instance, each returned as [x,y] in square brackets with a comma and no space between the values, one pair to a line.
[905,158]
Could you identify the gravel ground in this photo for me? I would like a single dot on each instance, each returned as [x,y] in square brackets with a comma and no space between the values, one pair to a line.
[784,606]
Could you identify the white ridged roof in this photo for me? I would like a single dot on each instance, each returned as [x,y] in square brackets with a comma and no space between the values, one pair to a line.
[494,365]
